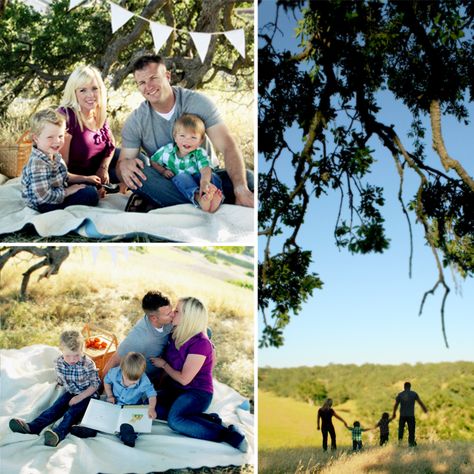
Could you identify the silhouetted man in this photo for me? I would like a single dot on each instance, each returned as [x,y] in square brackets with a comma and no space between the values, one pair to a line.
[406,400]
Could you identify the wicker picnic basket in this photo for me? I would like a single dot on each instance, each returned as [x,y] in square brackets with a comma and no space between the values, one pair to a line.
[99,355]
[14,157]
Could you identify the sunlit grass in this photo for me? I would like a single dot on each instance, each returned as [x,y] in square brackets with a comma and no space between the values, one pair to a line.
[107,292]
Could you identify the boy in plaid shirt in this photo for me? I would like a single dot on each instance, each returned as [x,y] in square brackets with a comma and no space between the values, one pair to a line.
[188,166]
[79,376]
[46,183]
[357,436]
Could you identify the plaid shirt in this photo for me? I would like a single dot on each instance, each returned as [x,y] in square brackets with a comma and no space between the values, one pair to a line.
[43,180]
[77,377]
[356,433]
[167,156]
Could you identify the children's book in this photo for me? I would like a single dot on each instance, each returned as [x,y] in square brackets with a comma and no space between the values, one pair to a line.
[107,417]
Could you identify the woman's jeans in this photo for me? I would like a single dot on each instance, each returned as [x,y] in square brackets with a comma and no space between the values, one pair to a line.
[325,430]
[184,411]
[71,415]
[189,184]
[87,196]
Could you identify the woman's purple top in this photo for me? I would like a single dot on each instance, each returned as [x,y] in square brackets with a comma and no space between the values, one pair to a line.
[88,148]
[198,344]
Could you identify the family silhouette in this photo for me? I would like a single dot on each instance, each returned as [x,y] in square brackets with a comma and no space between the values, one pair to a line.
[405,400]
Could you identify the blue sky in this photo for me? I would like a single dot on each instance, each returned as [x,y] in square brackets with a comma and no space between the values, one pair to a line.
[367,311]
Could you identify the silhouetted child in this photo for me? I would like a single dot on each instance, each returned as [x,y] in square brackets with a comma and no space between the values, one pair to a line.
[78,374]
[357,436]
[384,428]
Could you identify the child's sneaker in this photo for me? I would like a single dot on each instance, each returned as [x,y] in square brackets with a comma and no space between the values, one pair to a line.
[83,431]
[127,434]
[19,426]
[51,438]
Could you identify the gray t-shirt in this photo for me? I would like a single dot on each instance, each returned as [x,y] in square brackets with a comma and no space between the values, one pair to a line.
[407,400]
[147,340]
[146,129]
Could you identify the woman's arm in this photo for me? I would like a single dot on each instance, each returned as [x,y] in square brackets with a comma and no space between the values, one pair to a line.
[192,365]
[339,418]
[65,148]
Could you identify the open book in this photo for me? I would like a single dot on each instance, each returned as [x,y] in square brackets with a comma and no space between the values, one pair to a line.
[106,417]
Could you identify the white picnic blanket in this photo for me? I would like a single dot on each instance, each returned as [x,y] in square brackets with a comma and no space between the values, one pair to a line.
[181,223]
[27,387]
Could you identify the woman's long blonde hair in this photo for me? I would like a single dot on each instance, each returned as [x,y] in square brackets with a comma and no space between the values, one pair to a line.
[81,76]
[194,320]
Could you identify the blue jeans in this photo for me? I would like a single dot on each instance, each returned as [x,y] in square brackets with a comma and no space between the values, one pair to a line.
[87,196]
[188,184]
[164,193]
[60,408]
[184,411]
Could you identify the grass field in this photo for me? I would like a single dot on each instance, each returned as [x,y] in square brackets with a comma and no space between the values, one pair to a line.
[290,443]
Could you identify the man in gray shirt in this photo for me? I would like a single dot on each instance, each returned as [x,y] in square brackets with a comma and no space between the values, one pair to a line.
[150,334]
[406,400]
[149,127]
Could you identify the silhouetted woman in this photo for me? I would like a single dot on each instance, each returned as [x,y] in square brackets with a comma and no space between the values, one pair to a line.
[325,414]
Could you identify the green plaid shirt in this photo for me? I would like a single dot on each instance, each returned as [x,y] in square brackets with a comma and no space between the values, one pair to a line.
[192,163]
[356,433]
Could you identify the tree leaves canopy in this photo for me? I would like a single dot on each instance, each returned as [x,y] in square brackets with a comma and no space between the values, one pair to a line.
[420,51]
[38,51]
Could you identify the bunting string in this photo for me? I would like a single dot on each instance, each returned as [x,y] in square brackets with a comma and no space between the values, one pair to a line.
[160,33]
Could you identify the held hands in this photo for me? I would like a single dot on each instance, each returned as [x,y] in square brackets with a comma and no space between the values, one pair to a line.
[131,172]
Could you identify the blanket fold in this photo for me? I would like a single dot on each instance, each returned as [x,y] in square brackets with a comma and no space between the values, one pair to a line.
[181,223]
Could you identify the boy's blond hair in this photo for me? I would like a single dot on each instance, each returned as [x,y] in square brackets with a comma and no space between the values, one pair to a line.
[190,122]
[81,76]
[133,365]
[72,340]
[194,320]
[39,119]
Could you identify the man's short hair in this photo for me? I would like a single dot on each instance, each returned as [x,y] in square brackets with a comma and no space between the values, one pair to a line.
[72,340]
[147,59]
[407,385]
[154,300]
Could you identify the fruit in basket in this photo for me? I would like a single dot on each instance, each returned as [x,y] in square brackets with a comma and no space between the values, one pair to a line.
[95,343]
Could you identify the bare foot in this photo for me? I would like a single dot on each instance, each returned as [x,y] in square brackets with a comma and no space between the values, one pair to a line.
[206,199]
[216,201]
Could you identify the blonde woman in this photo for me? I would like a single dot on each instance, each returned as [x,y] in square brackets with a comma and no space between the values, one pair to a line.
[325,414]
[189,360]
[89,146]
